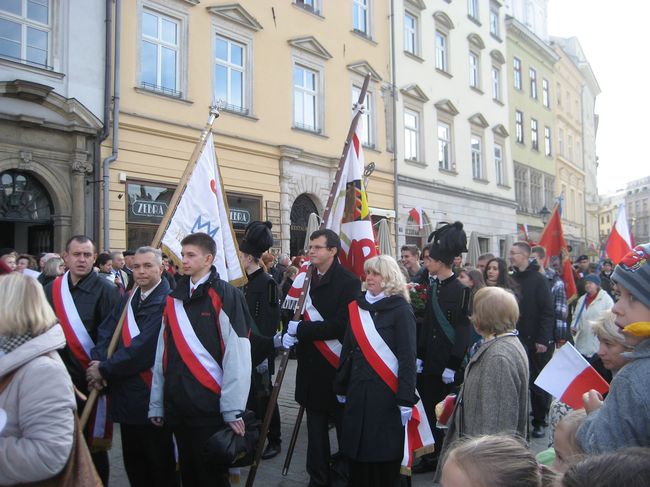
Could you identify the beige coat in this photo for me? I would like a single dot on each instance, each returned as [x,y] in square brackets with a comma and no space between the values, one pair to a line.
[586,340]
[39,401]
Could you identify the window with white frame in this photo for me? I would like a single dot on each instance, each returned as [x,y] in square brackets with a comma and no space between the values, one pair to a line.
[547,141]
[516,67]
[495,74]
[311,5]
[367,118]
[411,135]
[499,168]
[360,11]
[410,33]
[521,187]
[159,53]
[519,126]
[472,9]
[532,73]
[444,146]
[569,146]
[560,141]
[536,191]
[476,142]
[25,31]
[494,19]
[305,98]
[534,134]
[549,191]
[546,96]
[474,70]
[229,74]
[442,56]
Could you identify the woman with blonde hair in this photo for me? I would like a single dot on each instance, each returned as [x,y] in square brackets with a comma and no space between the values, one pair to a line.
[35,389]
[375,412]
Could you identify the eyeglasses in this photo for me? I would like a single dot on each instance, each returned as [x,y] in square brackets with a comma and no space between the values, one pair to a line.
[317,247]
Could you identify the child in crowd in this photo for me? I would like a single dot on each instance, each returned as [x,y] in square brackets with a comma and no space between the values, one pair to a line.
[629,467]
[566,449]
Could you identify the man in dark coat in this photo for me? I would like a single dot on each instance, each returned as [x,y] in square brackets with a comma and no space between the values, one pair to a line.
[535,325]
[606,278]
[261,294]
[148,451]
[202,370]
[444,336]
[331,290]
[94,298]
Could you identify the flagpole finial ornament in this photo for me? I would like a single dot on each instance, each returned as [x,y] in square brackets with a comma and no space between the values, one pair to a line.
[447,242]
[633,273]
[257,239]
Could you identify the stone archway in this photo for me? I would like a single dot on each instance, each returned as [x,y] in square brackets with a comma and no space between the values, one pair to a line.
[302,207]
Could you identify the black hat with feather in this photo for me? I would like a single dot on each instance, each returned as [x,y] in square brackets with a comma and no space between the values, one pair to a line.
[257,239]
[447,242]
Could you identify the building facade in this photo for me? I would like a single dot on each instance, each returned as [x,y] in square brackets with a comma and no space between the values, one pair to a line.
[453,152]
[51,112]
[607,213]
[637,201]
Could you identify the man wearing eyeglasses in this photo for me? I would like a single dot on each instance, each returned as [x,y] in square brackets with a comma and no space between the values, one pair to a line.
[324,321]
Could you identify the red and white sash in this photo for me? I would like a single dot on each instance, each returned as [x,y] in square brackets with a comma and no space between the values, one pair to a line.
[80,344]
[418,438]
[194,355]
[330,349]
[130,330]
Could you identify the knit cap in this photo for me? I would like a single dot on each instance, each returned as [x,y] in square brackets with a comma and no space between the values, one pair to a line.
[595,278]
[633,273]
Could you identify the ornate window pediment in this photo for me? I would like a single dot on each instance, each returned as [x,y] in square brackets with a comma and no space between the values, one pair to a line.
[234,12]
[443,20]
[476,41]
[446,106]
[310,45]
[497,56]
[500,130]
[362,68]
[415,92]
[419,4]
[479,120]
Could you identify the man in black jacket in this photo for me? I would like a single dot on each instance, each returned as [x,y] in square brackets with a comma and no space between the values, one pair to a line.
[318,335]
[535,326]
[202,370]
[94,299]
[148,451]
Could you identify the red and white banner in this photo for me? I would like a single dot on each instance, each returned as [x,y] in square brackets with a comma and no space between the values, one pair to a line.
[619,242]
[418,438]
[130,330]
[416,215]
[194,355]
[80,344]
[568,375]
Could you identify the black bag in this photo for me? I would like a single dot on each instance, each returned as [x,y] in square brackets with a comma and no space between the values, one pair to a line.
[227,449]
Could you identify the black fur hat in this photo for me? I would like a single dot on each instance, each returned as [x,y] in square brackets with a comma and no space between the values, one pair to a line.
[447,242]
[257,239]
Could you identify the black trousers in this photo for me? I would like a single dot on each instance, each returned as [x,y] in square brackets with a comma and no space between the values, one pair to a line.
[148,453]
[432,390]
[374,474]
[318,445]
[540,400]
[102,465]
[195,471]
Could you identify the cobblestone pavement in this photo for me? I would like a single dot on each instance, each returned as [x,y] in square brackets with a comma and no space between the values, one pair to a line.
[269,473]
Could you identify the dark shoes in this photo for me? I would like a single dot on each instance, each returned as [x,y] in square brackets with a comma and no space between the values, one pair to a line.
[539,432]
[271,450]
[425,465]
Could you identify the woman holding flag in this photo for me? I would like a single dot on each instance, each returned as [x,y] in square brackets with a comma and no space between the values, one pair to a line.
[376,378]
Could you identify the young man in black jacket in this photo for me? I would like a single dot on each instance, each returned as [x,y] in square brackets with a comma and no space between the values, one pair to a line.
[202,370]
[148,451]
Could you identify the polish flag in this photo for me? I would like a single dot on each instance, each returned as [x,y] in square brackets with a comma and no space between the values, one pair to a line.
[416,215]
[568,375]
[620,241]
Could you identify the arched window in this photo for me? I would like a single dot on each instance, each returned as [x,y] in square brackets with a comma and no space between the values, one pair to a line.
[302,207]
[23,198]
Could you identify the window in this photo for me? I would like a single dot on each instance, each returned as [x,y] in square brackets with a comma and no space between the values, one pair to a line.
[311,5]
[410,33]
[229,73]
[441,52]
[367,119]
[498,164]
[519,127]
[146,206]
[549,191]
[560,141]
[521,187]
[305,98]
[534,134]
[25,31]
[444,146]
[496,83]
[477,156]
[360,16]
[516,66]
[474,80]
[472,9]
[159,52]
[411,135]
[533,83]
[558,90]
[494,19]
[547,141]
[569,146]
[546,98]
[536,193]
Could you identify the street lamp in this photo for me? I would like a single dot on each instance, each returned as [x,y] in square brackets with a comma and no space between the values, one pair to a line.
[544,213]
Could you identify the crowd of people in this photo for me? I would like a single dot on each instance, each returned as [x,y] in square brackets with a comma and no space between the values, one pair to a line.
[176,356]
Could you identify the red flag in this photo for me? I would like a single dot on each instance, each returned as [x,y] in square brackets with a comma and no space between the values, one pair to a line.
[553,242]
[619,242]
[416,214]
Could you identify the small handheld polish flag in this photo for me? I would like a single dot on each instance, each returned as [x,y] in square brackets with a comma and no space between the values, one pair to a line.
[568,376]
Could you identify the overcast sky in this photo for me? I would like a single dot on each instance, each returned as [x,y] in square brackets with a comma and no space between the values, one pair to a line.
[613,37]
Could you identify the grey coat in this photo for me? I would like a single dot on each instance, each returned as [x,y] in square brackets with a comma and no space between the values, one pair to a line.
[494,396]
[624,418]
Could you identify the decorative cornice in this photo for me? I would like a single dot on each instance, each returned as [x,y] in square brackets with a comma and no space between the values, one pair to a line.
[419,4]
[497,56]
[475,40]
[234,12]
[415,92]
[447,106]
[521,32]
[500,130]
[443,19]
[362,68]
[479,120]
[311,45]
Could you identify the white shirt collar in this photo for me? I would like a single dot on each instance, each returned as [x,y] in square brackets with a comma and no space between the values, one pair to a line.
[200,281]
[145,294]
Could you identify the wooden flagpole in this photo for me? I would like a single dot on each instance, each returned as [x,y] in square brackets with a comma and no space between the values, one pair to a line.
[284,361]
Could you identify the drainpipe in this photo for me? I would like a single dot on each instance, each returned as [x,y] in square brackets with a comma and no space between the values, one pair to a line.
[116,111]
[394,96]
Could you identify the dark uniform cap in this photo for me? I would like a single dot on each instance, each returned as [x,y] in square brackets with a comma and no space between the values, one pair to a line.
[257,239]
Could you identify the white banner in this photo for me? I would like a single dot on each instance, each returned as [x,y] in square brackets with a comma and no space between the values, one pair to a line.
[203,208]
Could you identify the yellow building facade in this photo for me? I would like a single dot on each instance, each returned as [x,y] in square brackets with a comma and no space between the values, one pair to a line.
[284,76]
